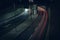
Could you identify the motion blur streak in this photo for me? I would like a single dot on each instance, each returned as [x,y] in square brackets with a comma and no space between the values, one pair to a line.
[44,25]
[37,35]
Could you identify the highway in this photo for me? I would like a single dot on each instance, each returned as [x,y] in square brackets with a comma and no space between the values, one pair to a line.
[10,23]
[21,26]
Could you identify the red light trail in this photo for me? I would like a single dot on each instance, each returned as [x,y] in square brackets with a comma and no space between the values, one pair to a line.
[37,35]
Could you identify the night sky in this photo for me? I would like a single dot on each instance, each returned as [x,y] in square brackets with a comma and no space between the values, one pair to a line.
[8,3]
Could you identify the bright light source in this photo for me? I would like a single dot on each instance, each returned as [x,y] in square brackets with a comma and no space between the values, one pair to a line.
[26,9]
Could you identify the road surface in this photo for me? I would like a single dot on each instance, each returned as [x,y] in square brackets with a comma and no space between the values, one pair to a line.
[19,27]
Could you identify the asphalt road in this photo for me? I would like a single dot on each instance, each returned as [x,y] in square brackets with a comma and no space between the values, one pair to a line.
[12,28]
[29,31]
[12,23]
[20,27]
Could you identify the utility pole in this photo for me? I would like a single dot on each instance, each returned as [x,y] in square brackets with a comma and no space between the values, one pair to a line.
[33,6]
[30,7]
